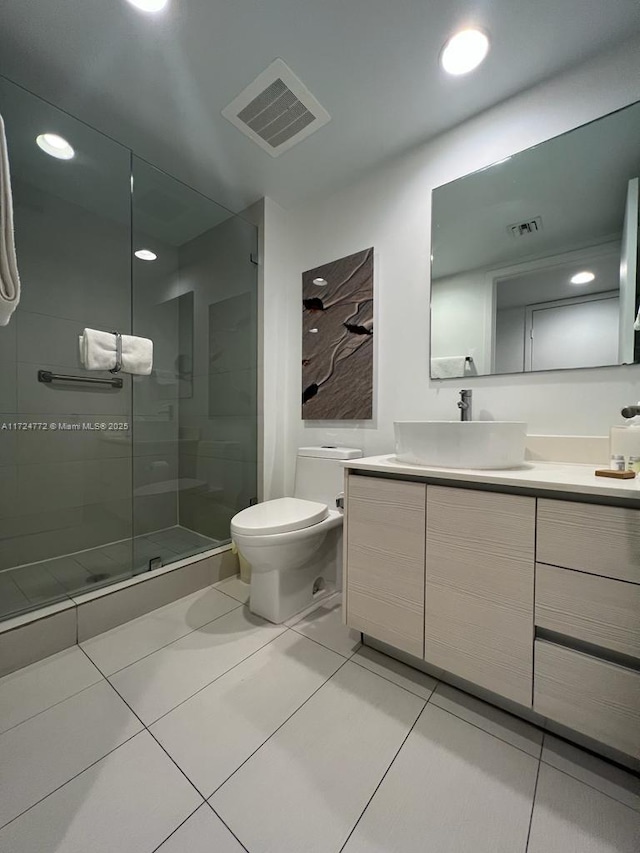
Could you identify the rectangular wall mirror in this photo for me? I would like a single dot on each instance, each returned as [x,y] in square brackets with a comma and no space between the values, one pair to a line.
[535,258]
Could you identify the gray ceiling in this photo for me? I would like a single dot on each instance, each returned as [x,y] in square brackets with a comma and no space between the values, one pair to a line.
[158,84]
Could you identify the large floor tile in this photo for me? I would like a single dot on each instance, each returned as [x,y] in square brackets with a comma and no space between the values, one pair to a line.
[305,788]
[235,588]
[324,625]
[35,688]
[134,640]
[46,751]
[164,679]
[594,771]
[505,726]
[128,802]
[452,788]
[203,832]
[211,734]
[404,676]
[571,817]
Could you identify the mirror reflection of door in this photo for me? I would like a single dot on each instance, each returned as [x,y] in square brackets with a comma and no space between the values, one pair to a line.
[572,333]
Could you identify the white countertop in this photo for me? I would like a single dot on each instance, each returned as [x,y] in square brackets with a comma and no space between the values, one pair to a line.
[568,477]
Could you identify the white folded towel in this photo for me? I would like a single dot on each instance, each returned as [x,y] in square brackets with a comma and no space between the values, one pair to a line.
[9,278]
[98,352]
[449,367]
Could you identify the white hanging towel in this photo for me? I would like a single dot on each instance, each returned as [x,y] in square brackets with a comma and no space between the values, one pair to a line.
[98,352]
[450,367]
[9,278]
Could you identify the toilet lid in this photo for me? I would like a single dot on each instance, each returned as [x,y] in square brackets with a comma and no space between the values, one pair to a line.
[278,516]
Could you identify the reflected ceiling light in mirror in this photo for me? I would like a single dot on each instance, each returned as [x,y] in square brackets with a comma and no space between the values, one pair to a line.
[149,5]
[583,277]
[145,255]
[320,281]
[464,51]
[55,146]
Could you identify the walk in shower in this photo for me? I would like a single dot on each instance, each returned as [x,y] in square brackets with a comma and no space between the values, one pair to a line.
[101,481]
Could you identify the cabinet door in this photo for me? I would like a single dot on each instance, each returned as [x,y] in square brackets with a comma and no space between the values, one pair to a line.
[479,588]
[385,560]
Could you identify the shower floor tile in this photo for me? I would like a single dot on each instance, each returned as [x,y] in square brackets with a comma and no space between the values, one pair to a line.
[30,586]
[306,750]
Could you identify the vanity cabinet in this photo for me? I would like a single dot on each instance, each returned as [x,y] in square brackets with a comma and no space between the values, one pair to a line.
[384,548]
[479,588]
[533,598]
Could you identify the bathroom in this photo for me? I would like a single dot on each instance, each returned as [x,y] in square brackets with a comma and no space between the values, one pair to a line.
[145,706]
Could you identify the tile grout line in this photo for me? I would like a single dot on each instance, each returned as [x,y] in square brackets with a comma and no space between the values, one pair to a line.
[391,681]
[533,803]
[179,826]
[75,776]
[592,787]
[55,704]
[283,723]
[207,803]
[164,646]
[491,734]
[209,683]
[150,733]
[330,648]
[384,775]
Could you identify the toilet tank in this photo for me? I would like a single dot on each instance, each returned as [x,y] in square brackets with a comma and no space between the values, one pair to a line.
[320,474]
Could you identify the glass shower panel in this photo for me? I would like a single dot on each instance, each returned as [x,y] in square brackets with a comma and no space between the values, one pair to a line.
[65,478]
[194,436]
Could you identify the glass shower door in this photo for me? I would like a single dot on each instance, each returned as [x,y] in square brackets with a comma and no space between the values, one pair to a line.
[65,445]
[195,417]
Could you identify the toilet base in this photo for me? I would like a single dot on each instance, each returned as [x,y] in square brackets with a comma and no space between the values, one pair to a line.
[279,595]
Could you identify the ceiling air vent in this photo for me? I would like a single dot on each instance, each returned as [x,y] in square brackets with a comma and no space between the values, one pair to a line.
[277,110]
[525,229]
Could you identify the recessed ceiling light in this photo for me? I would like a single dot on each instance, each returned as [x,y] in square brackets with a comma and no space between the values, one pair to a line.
[313,331]
[464,51]
[583,277]
[145,255]
[149,5]
[55,146]
[320,281]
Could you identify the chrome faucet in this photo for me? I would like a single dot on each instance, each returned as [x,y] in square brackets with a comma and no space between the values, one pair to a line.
[630,411]
[464,404]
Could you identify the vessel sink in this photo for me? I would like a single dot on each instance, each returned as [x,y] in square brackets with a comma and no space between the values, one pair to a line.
[461,444]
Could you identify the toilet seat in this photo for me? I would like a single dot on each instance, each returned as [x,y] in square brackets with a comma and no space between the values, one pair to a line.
[282,515]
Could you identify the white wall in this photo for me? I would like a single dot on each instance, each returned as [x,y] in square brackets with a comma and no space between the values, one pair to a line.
[462,309]
[391,211]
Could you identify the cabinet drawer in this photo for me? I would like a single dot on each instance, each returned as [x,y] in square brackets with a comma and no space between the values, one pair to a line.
[601,540]
[385,560]
[592,696]
[597,610]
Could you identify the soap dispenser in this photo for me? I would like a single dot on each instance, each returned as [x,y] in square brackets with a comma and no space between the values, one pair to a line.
[624,441]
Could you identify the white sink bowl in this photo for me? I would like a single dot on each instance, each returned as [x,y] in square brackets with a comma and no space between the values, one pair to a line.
[461,444]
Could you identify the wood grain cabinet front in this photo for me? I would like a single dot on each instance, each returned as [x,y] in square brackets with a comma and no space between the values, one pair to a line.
[600,540]
[384,566]
[592,696]
[599,611]
[479,588]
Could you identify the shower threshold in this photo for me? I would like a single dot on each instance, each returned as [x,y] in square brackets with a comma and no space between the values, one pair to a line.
[34,585]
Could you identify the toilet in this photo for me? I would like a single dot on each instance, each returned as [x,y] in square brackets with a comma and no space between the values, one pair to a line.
[294,545]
